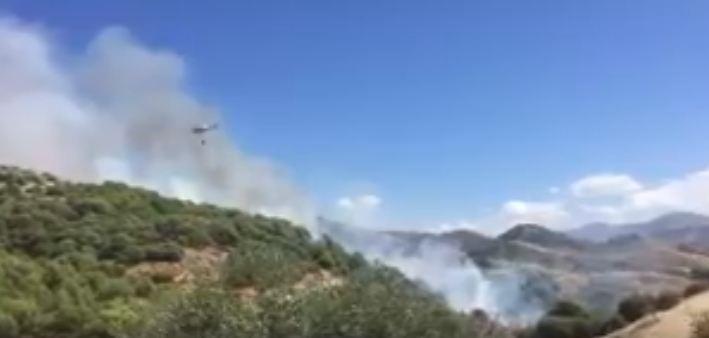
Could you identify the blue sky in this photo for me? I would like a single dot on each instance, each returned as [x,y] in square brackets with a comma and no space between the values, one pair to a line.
[445,110]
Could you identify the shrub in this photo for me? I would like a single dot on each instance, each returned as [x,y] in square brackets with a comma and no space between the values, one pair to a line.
[114,288]
[324,258]
[695,288]
[223,234]
[257,264]
[131,254]
[635,307]
[8,326]
[143,286]
[164,253]
[700,273]
[561,327]
[700,325]
[118,316]
[613,324]
[667,300]
[356,261]
[207,312]
[91,205]
[568,309]
[162,277]
[116,247]
[196,237]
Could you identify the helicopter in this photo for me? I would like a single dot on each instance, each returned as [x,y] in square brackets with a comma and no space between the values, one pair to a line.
[204,129]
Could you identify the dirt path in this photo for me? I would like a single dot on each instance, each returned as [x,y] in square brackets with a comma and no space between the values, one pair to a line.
[674,323]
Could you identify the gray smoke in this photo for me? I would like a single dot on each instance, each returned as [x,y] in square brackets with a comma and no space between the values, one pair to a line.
[509,292]
[120,111]
[446,270]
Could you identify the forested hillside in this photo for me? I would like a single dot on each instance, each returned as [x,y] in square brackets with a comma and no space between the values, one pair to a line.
[109,260]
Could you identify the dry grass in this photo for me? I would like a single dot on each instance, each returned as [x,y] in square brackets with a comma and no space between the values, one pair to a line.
[700,325]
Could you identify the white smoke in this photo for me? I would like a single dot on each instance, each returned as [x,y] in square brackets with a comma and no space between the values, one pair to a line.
[121,112]
[448,271]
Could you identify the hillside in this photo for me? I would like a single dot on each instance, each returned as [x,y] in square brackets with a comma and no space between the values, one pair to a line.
[677,227]
[536,234]
[470,242]
[675,322]
[109,260]
[598,275]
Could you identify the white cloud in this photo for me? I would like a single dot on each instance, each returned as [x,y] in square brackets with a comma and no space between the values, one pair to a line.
[461,224]
[516,212]
[597,198]
[359,210]
[687,193]
[690,193]
[362,202]
[604,185]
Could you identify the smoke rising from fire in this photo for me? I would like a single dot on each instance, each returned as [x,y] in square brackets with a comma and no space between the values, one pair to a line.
[121,112]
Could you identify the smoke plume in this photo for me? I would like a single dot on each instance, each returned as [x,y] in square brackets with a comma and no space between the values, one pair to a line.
[508,292]
[120,111]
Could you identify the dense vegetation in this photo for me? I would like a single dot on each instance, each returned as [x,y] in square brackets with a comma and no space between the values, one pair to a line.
[67,250]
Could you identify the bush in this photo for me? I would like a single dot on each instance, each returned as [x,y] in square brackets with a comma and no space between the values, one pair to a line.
[144,286]
[264,266]
[223,234]
[196,237]
[164,253]
[170,229]
[114,288]
[695,288]
[207,312]
[667,300]
[635,307]
[131,254]
[8,326]
[120,247]
[568,309]
[700,325]
[700,273]
[93,205]
[613,324]
[324,258]
[561,327]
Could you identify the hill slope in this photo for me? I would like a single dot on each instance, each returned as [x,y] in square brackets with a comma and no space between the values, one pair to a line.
[536,234]
[675,323]
[597,274]
[677,227]
[109,260]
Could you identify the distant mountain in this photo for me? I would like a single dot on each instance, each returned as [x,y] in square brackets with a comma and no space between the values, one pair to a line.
[539,235]
[675,228]
[471,242]
[599,274]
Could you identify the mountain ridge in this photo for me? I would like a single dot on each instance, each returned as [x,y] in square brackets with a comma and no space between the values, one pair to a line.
[667,226]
